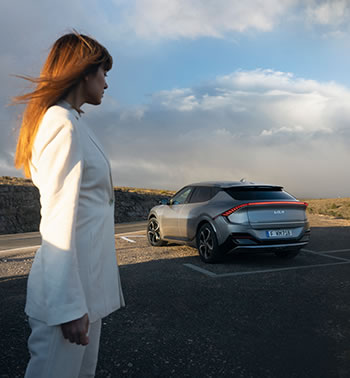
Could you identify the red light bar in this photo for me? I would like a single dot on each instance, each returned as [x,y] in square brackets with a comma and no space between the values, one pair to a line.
[230,211]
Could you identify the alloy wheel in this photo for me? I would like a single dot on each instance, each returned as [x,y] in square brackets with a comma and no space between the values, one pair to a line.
[153,233]
[206,243]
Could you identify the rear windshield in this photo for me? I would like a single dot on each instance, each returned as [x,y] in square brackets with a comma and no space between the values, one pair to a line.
[256,193]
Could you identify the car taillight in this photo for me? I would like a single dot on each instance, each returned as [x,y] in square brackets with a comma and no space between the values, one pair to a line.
[230,211]
[233,209]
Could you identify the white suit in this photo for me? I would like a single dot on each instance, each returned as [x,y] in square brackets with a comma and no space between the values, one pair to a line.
[75,270]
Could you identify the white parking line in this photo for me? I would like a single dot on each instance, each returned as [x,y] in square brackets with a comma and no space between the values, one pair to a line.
[326,254]
[336,251]
[208,273]
[215,275]
[201,270]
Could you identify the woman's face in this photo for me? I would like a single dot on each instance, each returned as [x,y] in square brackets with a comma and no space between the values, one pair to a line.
[94,86]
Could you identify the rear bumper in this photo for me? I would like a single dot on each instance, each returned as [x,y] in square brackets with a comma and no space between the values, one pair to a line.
[289,246]
[246,241]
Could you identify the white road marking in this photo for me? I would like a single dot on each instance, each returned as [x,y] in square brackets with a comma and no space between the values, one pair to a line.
[14,251]
[133,236]
[127,239]
[130,233]
[138,236]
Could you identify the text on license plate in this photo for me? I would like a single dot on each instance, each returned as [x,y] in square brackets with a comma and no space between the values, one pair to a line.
[279,233]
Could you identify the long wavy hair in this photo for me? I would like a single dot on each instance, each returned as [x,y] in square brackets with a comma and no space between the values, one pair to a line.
[71,57]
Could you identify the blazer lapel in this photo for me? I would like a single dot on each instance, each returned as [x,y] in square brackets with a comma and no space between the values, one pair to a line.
[97,144]
[93,138]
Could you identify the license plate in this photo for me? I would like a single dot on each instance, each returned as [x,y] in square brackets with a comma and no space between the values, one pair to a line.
[279,233]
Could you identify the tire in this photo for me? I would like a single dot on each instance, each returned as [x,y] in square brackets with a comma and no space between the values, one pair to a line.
[207,244]
[153,233]
[287,253]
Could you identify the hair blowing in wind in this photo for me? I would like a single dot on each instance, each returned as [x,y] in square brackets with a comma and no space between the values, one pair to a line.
[71,57]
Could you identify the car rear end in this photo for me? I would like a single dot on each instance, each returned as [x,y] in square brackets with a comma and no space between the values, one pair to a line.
[263,218]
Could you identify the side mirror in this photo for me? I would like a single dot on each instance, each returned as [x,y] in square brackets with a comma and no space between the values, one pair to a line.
[164,201]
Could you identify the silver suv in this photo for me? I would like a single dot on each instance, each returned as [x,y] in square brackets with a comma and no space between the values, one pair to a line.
[219,217]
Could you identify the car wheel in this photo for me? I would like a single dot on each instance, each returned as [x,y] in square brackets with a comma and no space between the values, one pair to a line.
[207,244]
[287,253]
[153,233]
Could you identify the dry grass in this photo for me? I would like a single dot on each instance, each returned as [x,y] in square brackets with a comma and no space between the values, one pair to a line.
[167,193]
[7,180]
[333,207]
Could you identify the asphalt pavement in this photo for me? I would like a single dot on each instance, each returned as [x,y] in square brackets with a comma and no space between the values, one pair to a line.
[15,243]
[251,316]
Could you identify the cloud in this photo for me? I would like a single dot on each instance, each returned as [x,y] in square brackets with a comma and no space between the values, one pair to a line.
[264,125]
[279,100]
[156,19]
[329,18]
[328,12]
[127,21]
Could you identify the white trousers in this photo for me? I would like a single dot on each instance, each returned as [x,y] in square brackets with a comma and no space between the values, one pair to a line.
[52,356]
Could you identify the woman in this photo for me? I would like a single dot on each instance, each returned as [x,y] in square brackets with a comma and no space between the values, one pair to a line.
[74,280]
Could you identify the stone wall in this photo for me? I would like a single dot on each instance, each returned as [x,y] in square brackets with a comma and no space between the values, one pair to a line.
[20,207]
[134,206]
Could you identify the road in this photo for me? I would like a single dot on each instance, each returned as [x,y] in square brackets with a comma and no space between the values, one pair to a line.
[14,243]
[252,316]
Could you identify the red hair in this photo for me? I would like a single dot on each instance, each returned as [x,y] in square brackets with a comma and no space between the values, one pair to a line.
[71,58]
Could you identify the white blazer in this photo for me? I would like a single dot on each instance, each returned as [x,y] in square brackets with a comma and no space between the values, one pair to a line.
[75,270]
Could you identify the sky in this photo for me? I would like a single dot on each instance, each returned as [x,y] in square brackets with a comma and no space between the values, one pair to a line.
[201,90]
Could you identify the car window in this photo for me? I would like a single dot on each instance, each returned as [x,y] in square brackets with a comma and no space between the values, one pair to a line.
[181,197]
[256,193]
[202,194]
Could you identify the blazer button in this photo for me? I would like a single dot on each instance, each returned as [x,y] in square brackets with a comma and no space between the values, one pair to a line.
[111,201]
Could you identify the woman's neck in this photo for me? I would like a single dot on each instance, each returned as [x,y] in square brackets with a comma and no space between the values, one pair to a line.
[75,98]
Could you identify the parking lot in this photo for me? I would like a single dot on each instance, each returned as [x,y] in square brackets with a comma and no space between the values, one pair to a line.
[316,255]
[253,315]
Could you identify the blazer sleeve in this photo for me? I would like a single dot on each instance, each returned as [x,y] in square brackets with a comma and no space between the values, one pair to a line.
[59,168]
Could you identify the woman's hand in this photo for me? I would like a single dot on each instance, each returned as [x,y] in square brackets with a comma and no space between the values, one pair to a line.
[76,330]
